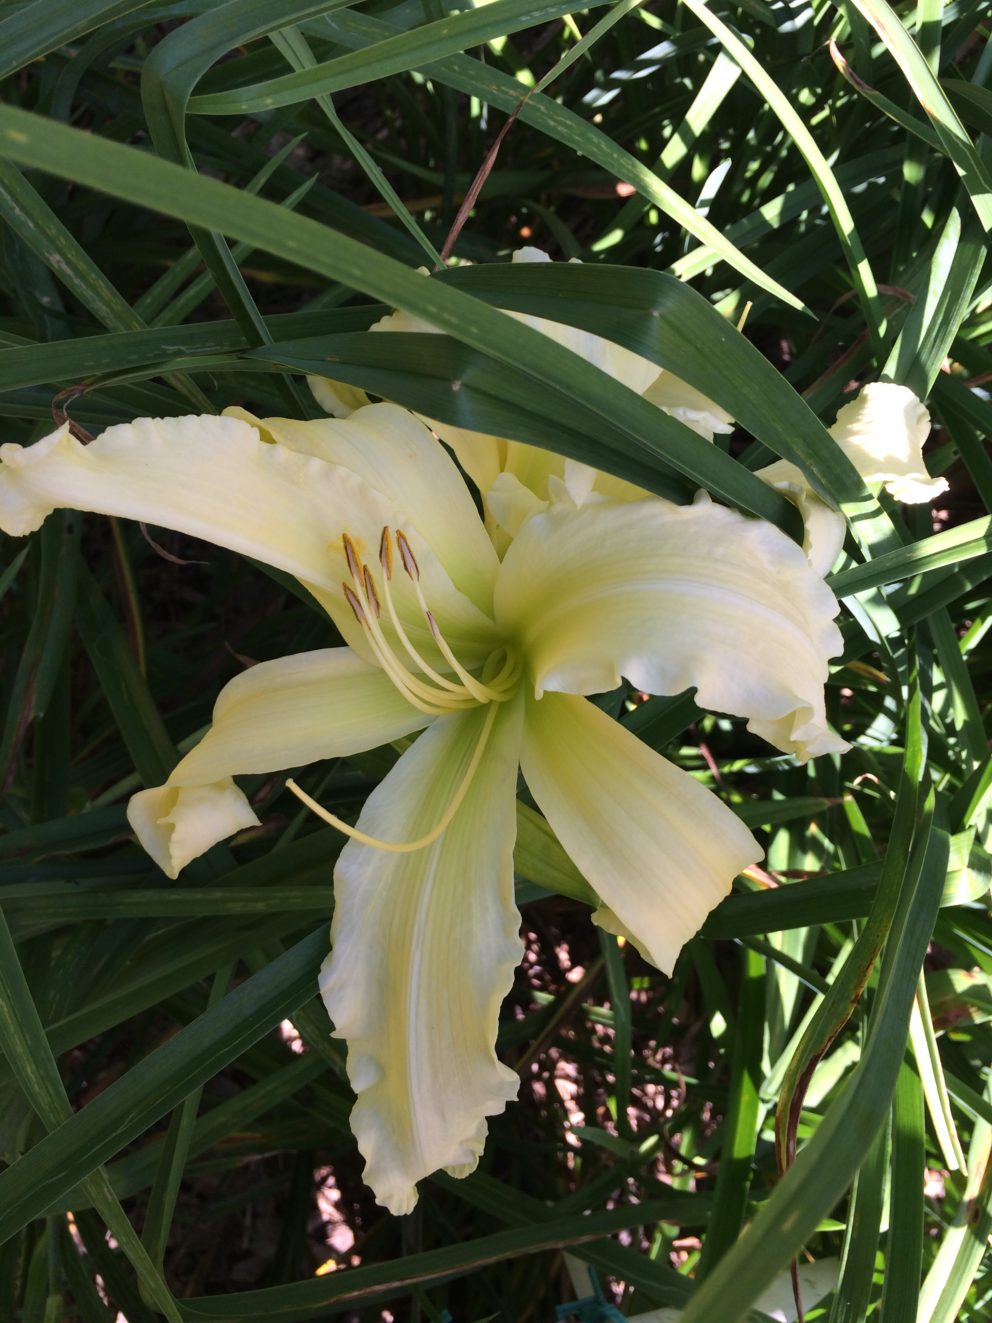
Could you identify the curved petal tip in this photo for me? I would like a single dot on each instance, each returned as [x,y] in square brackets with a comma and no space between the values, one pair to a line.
[175,824]
[882,433]
[23,508]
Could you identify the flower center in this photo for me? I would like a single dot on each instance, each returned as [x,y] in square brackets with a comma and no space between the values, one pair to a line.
[420,683]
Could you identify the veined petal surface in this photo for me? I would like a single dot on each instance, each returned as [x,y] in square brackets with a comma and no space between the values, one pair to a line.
[675,597]
[394,453]
[424,946]
[658,848]
[296,710]
[277,715]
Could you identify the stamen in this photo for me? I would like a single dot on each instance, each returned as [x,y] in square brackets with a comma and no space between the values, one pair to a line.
[354,603]
[476,688]
[422,696]
[371,596]
[386,553]
[407,557]
[401,634]
[407,847]
[351,556]
[416,690]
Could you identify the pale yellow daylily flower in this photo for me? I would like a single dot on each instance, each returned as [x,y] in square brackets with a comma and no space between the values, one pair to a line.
[517,480]
[493,658]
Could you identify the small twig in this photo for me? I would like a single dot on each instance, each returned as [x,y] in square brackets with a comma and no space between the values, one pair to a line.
[483,173]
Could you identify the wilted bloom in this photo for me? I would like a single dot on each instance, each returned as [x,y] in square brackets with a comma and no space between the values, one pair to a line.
[491,660]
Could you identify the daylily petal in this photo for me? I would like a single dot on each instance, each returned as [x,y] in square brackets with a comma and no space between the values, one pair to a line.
[424,945]
[176,823]
[337,397]
[217,479]
[511,504]
[658,848]
[210,477]
[295,710]
[824,529]
[689,406]
[484,457]
[675,597]
[278,714]
[394,453]
[882,433]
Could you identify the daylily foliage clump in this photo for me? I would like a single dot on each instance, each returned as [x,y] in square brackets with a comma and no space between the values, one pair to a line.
[481,639]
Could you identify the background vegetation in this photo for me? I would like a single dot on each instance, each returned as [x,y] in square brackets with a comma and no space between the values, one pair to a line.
[199,201]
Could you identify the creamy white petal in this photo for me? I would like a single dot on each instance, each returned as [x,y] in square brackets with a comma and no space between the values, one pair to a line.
[177,823]
[217,479]
[395,454]
[658,848]
[210,477]
[675,597]
[484,457]
[511,504]
[824,529]
[277,715]
[882,433]
[337,397]
[296,710]
[689,406]
[424,946]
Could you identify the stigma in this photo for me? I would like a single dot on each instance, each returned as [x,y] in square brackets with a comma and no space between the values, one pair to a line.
[431,690]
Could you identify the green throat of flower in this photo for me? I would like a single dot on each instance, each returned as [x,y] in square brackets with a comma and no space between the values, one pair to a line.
[421,684]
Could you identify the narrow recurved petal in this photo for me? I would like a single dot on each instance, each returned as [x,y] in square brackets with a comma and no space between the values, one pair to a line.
[658,848]
[423,950]
[278,715]
[672,598]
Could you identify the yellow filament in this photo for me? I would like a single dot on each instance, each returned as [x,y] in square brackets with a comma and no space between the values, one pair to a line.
[482,692]
[385,556]
[405,680]
[475,687]
[408,847]
[366,609]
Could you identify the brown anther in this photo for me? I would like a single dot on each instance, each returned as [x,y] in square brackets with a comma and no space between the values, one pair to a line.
[354,603]
[371,596]
[386,553]
[407,556]
[351,556]
[433,624]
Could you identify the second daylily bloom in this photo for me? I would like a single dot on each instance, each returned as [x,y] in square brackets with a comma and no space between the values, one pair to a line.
[517,480]
[490,659]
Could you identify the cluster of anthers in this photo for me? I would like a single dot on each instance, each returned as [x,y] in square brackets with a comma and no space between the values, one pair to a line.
[424,687]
